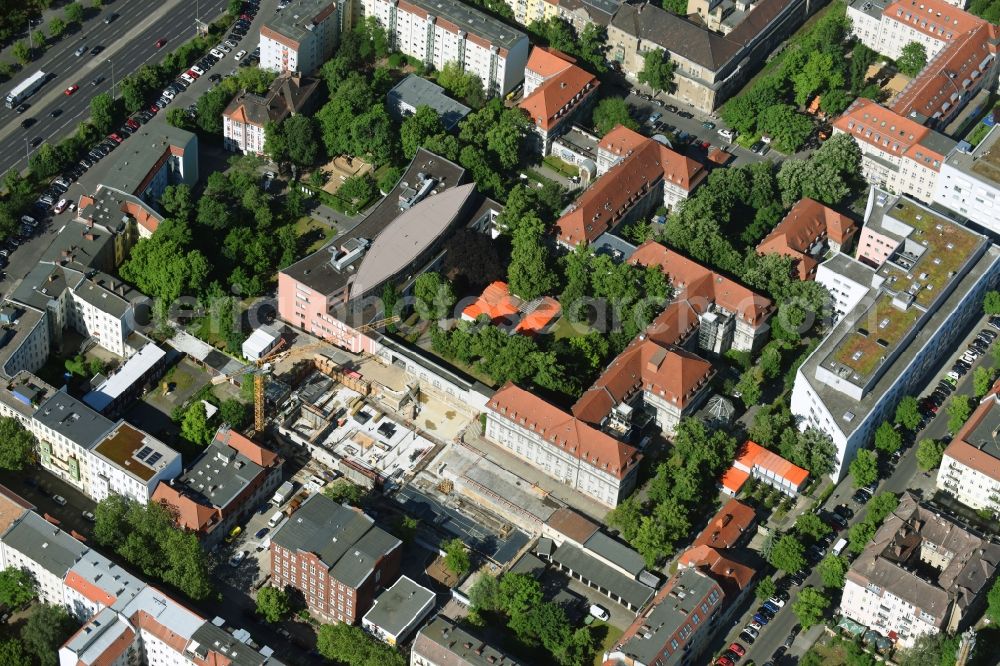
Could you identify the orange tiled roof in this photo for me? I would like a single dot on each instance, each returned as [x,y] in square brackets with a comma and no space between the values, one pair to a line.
[605,203]
[495,302]
[699,285]
[548,62]
[806,223]
[553,101]
[672,374]
[88,589]
[754,455]
[956,69]
[558,428]
[733,479]
[542,312]
[935,18]
[727,526]
[621,140]
[190,514]
[969,454]
[729,574]
[246,446]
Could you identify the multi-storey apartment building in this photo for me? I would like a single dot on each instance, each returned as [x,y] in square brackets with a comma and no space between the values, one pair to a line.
[556,91]
[130,463]
[647,175]
[676,627]
[444,642]
[125,621]
[666,381]
[300,40]
[928,279]
[443,31]
[726,314]
[223,486]
[244,122]
[808,232]
[897,153]
[67,430]
[970,467]
[561,445]
[969,182]
[336,557]
[921,574]
[887,26]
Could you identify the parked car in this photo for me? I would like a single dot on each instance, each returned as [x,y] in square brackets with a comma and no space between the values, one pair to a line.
[88,516]
[776,602]
[761,618]
[196,70]
[600,612]
[708,124]
[737,649]
[59,499]
[746,637]
[724,661]
[239,54]
[61,206]
[237,558]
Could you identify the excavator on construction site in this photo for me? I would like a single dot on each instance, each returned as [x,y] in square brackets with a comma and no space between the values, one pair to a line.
[266,363]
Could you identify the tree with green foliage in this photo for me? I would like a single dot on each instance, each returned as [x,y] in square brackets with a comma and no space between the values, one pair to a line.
[346,644]
[163,267]
[433,296]
[862,57]
[880,506]
[209,109]
[982,380]
[46,630]
[21,52]
[788,129]
[993,603]
[195,427]
[611,112]
[417,128]
[812,449]
[73,12]
[234,412]
[810,606]
[12,653]
[819,74]
[389,178]
[467,86]
[17,587]
[811,526]
[832,570]
[301,135]
[787,554]
[57,27]
[959,411]
[929,453]
[887,439]
[938,649]
[864,468]
[529,273]
[908,413]
[17,445]
[749,386]
[912,59]
[345,492]
[765,589]
[273,604]
[657,70]
[103,112]
[456,557]
[859,535]
[991,303]
[357,191]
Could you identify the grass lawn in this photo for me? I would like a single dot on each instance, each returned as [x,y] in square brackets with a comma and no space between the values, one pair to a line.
[561,166]
[611,635]
[312,234]
[564,328]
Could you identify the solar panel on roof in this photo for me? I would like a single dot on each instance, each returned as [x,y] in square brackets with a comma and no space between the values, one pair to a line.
[153,458]
[145,451]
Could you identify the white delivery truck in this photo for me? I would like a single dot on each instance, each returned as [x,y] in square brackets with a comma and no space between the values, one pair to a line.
[839,546]
[284,491]
[26,89]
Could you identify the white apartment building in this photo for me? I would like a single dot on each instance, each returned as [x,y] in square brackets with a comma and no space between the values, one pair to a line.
[565,448]
[67,430]
[125,621]
[920,574]
[27,348]
[447,31]
[970,467]
[969,183]
[888,25]
[302,38]
[897,154]
[130,463]
[928,279]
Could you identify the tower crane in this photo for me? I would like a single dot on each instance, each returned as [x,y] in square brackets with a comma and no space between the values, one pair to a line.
[265,364]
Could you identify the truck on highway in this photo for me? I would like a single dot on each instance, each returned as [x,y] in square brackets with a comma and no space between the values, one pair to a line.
[25,89]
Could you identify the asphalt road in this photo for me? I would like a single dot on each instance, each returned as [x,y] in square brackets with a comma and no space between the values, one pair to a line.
[128,42]
[905,476]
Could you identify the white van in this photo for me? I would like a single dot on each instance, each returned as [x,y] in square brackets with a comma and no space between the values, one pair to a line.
[839,546]
[727,134]
[276,518]
[600,612]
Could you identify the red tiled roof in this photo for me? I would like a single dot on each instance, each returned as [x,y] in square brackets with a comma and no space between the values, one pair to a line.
[190,514]
[88,589]
[547,62]
[727,526]
[969,454]
[247,447]
[934,18]
[888,131]
[956,69]
[553,101]
[732,576]
[754,455]
[605,203]
[563,430]
[807,222]
[672,374]
[699,285]
[621,141]
[672,326]
[540,314]
[573,525]
[733,479]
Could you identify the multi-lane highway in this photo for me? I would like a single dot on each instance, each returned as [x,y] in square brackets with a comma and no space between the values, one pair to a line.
[128,43]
